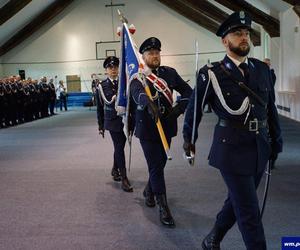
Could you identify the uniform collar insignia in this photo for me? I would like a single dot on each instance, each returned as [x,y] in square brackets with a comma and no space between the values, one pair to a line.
[228,65]
[251,63]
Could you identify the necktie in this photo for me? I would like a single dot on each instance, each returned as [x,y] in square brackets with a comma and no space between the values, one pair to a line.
[115,82]
[245,68]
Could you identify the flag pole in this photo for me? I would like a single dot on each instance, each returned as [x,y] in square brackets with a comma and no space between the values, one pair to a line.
[148,93]
[159,127]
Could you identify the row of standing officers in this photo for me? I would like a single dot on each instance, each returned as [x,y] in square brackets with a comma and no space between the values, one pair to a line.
[240,91]
[27,100]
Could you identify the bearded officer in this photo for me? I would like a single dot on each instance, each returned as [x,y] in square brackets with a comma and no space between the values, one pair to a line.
[109,120]
[247,117]
[146,114]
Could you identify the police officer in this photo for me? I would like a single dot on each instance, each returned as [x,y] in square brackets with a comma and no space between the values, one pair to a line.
[240,92]
[146,114]
[109,120]
[52,96]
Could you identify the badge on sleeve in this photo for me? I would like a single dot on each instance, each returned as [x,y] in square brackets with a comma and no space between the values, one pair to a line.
[203,77]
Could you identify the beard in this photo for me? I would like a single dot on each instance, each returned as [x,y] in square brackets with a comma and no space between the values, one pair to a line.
[153,64]
[239,50]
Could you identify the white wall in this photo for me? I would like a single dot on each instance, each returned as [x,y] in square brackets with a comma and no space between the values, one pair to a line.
[288,84]
[71,36]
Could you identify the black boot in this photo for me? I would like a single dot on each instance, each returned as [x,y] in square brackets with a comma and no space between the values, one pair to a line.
[115,173]
[164,211]
[126,186]
[149,196]
[213,239]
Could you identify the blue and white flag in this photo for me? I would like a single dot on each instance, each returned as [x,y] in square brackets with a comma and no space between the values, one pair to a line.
[129,68]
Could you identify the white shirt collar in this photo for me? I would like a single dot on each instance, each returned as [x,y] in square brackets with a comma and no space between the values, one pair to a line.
[112,80]
[237,62]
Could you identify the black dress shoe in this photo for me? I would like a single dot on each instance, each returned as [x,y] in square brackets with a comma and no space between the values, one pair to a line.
[126,186]
[164,212]
[115,173]
[209,243]
[213,239]
[149,197]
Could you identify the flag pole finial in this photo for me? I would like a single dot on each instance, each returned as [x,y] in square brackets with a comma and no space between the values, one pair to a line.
[122,17]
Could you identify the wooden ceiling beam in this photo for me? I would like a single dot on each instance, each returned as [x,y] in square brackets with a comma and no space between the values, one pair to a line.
[208,18]
[11,8]
[292,2]
[213,12]
[47,14]
[192,14]
[208,9]
[270,24]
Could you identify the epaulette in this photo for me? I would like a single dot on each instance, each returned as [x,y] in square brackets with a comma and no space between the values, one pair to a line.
[209,65]
[213,65]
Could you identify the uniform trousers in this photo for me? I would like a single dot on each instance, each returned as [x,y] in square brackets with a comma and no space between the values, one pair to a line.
[119,141]
[242,206]
[156,160]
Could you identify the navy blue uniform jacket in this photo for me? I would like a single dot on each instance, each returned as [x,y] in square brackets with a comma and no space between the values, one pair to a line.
[106,113]
[145,127]
[234,150]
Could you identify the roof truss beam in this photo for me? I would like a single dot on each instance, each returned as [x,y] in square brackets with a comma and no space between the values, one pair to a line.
[11,8]
[43,18]
[270,24]
[204,14]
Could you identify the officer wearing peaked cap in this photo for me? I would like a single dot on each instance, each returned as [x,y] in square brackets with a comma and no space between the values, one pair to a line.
[146,113]
[246,135]
[235,20]
[150,43]
[111,61]
[109,120]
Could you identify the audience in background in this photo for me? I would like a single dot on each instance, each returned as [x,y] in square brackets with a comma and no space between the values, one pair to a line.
[25,100]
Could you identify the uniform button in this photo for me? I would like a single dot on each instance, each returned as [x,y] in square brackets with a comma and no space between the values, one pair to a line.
[224,140]
[257,132]
[252,105]
[227,93]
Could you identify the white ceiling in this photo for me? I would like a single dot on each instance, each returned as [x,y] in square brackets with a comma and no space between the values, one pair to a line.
[35,7]
[23,17]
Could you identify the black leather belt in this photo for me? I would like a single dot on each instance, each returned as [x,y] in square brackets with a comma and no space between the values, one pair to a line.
[252,125]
